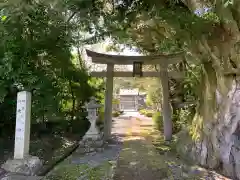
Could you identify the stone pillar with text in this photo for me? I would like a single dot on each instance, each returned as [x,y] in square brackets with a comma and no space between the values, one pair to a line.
[22,162]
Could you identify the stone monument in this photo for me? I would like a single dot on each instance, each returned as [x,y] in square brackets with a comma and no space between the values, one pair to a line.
[93,139]
[22,162]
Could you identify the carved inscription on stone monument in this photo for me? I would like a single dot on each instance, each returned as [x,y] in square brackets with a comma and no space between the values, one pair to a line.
[20,121]
[22,125]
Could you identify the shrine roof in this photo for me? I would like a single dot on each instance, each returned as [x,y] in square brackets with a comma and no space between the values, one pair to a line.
[101,58]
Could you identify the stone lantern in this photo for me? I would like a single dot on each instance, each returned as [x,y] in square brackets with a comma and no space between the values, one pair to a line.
[93,139]
[92,107]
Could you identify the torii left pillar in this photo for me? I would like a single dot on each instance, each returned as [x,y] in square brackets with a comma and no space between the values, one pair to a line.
[108,102]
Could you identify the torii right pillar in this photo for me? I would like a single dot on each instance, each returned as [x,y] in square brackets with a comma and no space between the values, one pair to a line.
[167,119]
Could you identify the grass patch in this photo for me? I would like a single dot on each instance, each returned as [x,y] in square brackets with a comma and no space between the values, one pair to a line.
[147,112]
[168,154]
[67,171]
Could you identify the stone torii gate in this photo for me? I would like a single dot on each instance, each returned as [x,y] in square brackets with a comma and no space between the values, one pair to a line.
[137,61]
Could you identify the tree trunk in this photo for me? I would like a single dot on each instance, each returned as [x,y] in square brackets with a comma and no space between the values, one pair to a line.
[73,101]
[215,131]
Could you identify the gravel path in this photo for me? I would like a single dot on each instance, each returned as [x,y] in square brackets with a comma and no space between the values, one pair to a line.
[141,160]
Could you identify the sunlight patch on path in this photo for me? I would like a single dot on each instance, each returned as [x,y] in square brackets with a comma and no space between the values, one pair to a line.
[145,156]
[138,160]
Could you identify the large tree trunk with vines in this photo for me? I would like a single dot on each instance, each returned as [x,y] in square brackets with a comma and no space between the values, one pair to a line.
[215,131]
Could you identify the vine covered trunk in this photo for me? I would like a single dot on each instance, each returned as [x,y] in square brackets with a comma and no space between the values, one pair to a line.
[215,131]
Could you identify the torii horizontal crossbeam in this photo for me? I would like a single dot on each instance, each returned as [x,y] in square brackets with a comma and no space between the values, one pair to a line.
[101,58]
[173,74]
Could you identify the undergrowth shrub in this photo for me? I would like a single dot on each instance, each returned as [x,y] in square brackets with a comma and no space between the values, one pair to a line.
[183,118]
[100,119]
[179,120]
[158,121]
[146,112]
[116,113]
[142,111]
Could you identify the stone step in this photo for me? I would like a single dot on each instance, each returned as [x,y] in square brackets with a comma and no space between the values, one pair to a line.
[20,177]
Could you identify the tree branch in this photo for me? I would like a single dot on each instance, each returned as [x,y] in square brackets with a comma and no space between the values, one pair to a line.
[70,18]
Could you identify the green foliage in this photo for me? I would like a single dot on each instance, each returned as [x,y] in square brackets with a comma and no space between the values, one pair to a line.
[35,55]
[142,111]
[116,113]
[129,83]
[158,121]
[211,16]
[115,101]
[149,114]
[191,82]
[100,120]
[181,119]
[146,112]
[154,96]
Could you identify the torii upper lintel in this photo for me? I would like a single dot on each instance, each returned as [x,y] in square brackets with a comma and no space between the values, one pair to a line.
[101,58]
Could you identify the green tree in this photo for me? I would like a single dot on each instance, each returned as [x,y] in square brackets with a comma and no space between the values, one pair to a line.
[206,31]
[154,97]
[35,55]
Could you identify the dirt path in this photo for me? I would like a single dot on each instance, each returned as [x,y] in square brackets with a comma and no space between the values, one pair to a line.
[141,160]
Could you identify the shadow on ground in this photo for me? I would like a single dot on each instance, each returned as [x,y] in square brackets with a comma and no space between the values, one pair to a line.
[145,156]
